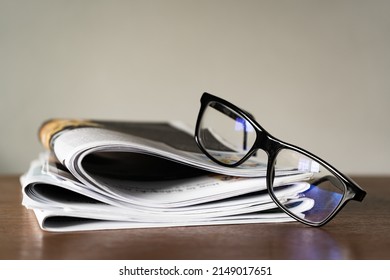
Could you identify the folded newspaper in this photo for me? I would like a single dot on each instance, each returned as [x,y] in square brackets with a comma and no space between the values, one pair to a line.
[99,175]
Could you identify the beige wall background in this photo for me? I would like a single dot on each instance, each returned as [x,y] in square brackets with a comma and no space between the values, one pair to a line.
[314,73]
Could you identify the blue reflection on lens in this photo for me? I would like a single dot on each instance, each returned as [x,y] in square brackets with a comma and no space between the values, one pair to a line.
[325,202]
[242,125]
[319,193]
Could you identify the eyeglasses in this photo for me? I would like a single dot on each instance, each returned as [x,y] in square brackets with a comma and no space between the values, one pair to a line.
[231,137]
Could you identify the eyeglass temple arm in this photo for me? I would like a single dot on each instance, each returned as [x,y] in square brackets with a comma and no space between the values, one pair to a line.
[234,116]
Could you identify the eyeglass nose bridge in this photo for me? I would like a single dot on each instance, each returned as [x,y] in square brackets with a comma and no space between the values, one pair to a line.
[264,141]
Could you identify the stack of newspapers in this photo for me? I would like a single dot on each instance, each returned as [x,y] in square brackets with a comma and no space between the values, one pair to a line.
[97,175]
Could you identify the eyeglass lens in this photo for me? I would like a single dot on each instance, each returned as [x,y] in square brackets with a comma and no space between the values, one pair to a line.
[320,192]
[225,134]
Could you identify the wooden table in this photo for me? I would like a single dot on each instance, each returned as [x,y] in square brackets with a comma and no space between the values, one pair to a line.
[360,231]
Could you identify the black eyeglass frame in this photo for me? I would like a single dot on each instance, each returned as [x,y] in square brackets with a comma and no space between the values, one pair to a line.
[272,146]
